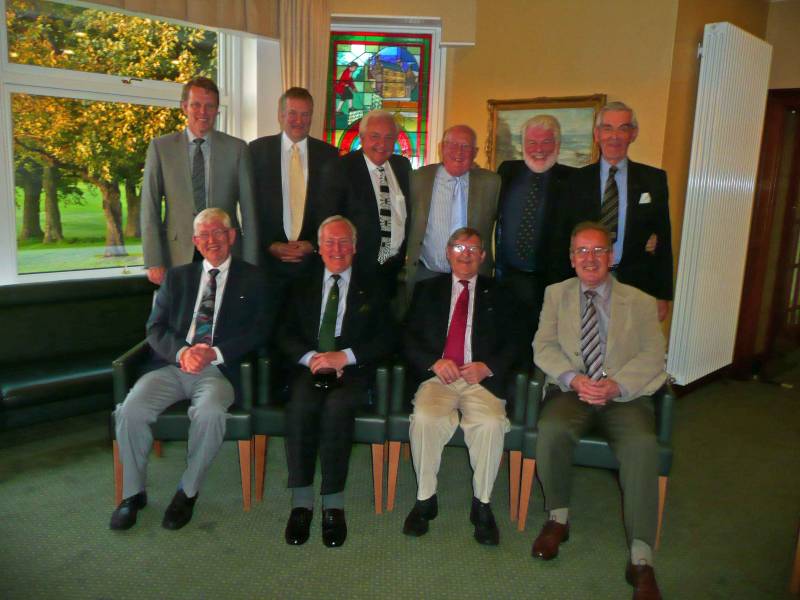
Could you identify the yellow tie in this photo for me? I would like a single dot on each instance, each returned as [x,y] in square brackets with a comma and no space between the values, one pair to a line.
[297,191]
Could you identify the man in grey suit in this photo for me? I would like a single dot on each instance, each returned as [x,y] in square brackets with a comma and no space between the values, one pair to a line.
[445,197]
[192,170]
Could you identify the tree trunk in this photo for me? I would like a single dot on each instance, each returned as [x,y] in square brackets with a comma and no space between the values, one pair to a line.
[112,209]
[52,215]
[31,221]
[133,226]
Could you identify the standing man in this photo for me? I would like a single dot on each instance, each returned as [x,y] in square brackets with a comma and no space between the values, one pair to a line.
[336,328]
[459,343]
[600,344]
[529,241]
[448,196]
[632,200]
[370,187]
[189,171]
[287,168]
[207,316]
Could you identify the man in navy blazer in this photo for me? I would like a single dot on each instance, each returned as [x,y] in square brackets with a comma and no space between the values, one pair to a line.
[207,316]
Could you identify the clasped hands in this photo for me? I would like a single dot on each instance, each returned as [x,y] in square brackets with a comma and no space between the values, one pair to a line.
[448,371]
[291,252]
[328,360]
[595,392]
[196,358]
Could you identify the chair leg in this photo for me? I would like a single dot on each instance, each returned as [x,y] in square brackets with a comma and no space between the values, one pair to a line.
[406,451]
[245,451]
[377,476]
[391,484]
[528,471]
[117,475]
[794,584]
[514,467]
[662,497]
[260,451]
[157,448]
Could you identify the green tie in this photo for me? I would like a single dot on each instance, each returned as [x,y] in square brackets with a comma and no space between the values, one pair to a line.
[327,329]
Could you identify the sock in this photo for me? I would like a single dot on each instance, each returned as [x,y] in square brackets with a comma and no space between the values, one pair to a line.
[641,553]
[303,497]
[559,515]
[333,500]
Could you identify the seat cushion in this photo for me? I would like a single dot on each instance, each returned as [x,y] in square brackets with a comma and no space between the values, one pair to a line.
[173,424]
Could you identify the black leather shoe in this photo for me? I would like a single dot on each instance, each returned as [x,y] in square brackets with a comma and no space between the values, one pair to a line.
[482,518]
[298,526]
[334,527]
[417,520]
[179,511]
[124,517]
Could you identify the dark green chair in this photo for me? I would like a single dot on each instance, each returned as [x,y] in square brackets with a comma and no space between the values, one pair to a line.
[592,449]
[173,424]
[399,422]
[269,419]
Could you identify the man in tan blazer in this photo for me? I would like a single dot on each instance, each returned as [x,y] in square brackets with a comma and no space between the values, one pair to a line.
[601,346]
[445,197]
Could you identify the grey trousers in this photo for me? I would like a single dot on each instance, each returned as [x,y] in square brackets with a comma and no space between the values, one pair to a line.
[211,395]
[630,430]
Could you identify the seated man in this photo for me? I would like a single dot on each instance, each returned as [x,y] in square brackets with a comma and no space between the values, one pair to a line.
[207,315]
[600,344]
[336,328]
[459,343]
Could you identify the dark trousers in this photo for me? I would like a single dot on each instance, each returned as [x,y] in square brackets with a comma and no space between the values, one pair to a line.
[527,289]
[321,422]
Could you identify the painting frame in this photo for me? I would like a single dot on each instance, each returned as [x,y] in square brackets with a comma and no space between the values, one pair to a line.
[507,116]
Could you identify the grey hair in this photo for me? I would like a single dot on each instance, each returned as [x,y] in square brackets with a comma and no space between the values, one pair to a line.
[616,107]
[546,122]
[211,214]
[334,219]
[377,114]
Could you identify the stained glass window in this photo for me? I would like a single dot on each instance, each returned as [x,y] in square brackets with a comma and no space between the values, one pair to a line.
[386,71]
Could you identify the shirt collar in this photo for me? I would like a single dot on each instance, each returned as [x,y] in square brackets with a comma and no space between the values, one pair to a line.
[287,143]
[343,276]
[192,137]
[442,172]
[603,290]
[622,166]
[223,268]
[372,166]
[455,280]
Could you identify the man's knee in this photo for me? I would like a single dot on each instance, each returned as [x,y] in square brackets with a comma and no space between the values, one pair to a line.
[555,430]
[641,445]
[208,414]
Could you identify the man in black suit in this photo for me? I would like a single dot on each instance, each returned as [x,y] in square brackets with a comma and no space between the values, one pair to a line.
[370,187]
[288,168]
[529,238]
[207,316]
[632,200]
[459,342]
[335,329]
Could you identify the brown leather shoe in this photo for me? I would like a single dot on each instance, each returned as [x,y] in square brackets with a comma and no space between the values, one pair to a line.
[643,580]
[549,539]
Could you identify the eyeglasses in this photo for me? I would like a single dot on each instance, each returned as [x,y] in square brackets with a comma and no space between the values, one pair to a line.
[596,251]
[216,234]
[461,248]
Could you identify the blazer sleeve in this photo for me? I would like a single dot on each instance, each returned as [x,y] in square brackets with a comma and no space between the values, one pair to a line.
[548,354]
[418,336]
[663,254]
[247,205]
[150,212]
[250,314]
[162,336]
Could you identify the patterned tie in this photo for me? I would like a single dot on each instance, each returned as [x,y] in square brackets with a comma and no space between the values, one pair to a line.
[454,346]
[609,211]
[297,191]
[590,338]
[199,176]
[458,213]
[524,242]
[327,328]
[384,216]
[204,322]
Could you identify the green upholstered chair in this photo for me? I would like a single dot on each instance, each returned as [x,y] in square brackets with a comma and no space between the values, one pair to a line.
[173,424]
[399,422]
[269,419]
[592,449]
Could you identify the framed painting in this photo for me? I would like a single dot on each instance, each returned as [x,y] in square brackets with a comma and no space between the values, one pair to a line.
[576,115]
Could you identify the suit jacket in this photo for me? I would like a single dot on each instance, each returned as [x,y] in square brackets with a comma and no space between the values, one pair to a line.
[484,190]
[266,156]
[554,246]
[241,326]
[651,273]
[494,340]
[634,347]
[168,175]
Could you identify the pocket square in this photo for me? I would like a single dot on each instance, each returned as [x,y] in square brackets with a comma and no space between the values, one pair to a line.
[645,198]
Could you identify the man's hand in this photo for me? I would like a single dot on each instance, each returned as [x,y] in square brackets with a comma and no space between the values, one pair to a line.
[156,274]
[446,370]
[651,244]
[196,358]
[328,360]
[595,392]
[291,252]
[475,372]
[663,308]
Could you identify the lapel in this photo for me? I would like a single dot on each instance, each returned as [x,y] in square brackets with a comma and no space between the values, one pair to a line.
[355,301]
[426,178]
[480,310]
[473,199]
[229,295]
[314,301]
[192,287]
[440,311]
[571,317]
[617,322]
[179,159]
[635,190]
[215,166]
[364,181]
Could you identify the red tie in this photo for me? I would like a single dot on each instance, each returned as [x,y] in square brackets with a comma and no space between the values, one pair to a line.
[454,346]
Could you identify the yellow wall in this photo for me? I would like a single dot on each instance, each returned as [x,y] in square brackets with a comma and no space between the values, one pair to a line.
[783,32]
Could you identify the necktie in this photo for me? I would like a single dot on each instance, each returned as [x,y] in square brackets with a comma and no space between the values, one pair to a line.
[609,211]
[454,346]
[297,191]
[327,328]
[199,176]
[204,321]
[458,213]
[525,236]
[590,338]
[384,216]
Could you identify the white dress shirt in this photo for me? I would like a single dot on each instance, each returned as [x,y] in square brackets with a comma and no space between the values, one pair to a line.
[344,286]
[222,279]
[396,198]
[455,292]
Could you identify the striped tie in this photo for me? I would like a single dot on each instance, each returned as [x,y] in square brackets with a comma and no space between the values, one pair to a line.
[590,338]
[204,322]
[609,211]
[384,216]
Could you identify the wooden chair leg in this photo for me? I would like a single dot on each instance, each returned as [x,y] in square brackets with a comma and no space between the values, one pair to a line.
[377,476]
[794,583]
[157,448]
[662,497]
[117,475]
[528,471]
[406,451]
[391,484]
[514,468]
[260,451]
[245,451]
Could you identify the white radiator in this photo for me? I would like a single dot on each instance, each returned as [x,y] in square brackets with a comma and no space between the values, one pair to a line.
[731,98]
